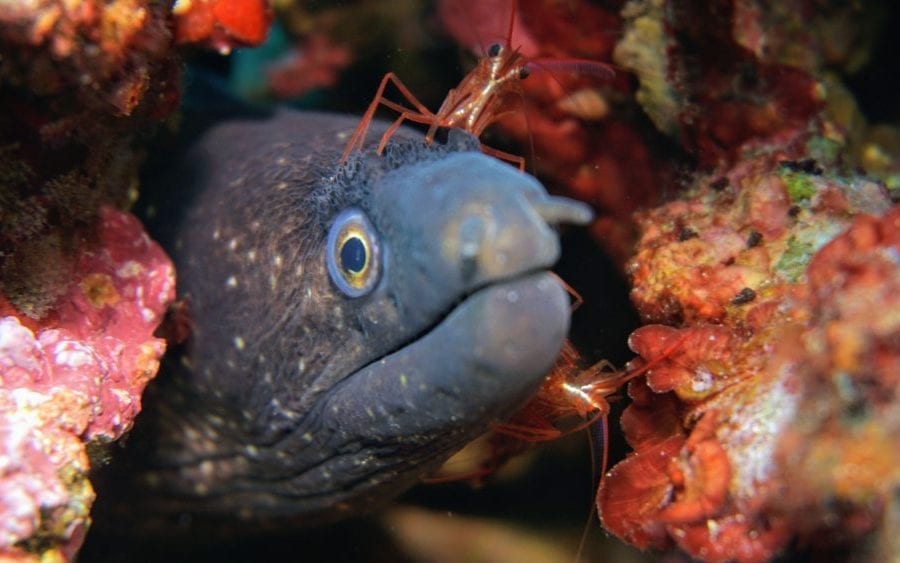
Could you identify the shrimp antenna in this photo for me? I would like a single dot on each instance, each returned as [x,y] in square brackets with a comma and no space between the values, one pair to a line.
[598,437]
[512,23]
[578,66]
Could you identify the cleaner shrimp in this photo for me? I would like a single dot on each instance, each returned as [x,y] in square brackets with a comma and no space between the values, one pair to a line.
[485,94]
[573,398]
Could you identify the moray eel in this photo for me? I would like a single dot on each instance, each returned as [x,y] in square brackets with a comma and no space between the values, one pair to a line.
[352,326]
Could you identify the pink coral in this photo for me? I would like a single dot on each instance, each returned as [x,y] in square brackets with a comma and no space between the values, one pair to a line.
[76,376]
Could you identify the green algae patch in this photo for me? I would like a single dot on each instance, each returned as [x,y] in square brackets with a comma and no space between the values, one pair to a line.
[799,186]
[793,262]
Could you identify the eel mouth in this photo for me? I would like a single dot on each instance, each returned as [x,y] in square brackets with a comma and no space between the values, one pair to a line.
[477,364]
[508,285]
[489,241]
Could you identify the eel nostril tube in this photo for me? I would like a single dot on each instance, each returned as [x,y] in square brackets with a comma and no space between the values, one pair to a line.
[556,210]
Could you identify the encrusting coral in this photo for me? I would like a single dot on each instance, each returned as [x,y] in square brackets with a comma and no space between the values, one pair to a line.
[75,377]
[82,288]
[772,418]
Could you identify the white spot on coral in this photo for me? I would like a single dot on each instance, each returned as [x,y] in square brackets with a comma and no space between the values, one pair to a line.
[72,354]
[147,314]
[754,440]
[18,347]
[702,381]
[232,244]
[239,343]
[231,281]
[251,255]
[129,269]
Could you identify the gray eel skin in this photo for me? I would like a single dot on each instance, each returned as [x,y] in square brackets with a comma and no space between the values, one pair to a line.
[295,398]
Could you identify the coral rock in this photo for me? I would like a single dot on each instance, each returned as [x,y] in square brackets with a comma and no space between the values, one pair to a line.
[73,378]
[778,394]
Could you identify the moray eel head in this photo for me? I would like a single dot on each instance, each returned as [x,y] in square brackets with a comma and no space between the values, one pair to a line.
[353,327]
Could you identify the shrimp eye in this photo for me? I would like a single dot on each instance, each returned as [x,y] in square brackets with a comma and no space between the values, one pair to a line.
[353,253]
[524,73]
[494,50]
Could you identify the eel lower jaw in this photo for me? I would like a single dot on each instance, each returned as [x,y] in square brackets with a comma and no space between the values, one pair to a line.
[478,364]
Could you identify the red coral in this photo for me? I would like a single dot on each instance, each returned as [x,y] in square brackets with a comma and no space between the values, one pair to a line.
[732,538]
[642,487]
[702,476]
[222,24]
[760,404]
[685,361]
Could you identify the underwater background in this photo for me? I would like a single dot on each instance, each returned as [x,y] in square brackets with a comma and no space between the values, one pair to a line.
[741,276]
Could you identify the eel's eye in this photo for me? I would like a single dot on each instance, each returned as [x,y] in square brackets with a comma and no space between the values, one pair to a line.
[494,50]
[353,253]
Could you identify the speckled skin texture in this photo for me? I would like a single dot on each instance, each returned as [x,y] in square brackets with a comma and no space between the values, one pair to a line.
[293,400]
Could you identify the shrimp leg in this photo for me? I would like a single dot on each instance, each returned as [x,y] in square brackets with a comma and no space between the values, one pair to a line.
[512,159]
[422,112]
